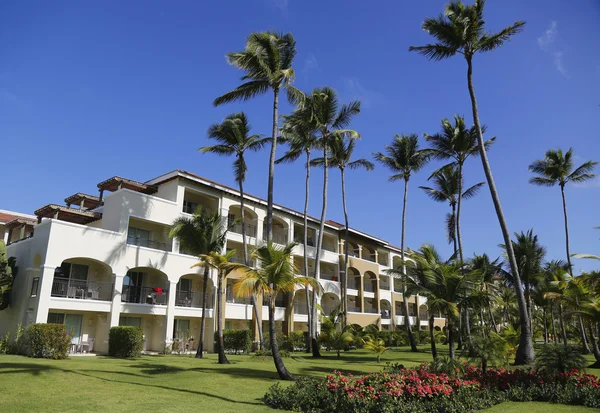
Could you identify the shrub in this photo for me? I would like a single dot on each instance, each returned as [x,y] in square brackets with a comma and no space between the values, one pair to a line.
[125,342]
[49,341]
[554,359]
[269,353]
[236,341]
[294,341]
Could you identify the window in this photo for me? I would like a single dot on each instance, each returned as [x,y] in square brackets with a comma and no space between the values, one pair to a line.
[230,219]
[189,207]
[137,236]
[130,321]
[72,271]
[184,285]
[34,286]
[181,329]
[56,318]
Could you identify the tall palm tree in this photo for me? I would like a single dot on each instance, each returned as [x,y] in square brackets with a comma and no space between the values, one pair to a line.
[445,188]
[557,169]
[267,60]
[301,137]
[329,120]
[340,155]
[403,157]
[198,235]
[221,264]
[234,138]
[461,30]
[275,274]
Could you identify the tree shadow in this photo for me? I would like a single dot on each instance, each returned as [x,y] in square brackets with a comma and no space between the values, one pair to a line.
[312,370]
[31,368]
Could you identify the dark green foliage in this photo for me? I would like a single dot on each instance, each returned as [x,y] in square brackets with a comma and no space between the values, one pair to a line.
[553,359]
[446,365]
[295,341]
[50,341]
[125,342]
[236,341]
[269,353]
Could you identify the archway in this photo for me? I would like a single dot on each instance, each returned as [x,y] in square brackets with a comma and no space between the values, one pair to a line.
[83,278]
[370,282]
[329,302]
[190,291]
[145,285]
[386,309]
[353,278]
[234,220]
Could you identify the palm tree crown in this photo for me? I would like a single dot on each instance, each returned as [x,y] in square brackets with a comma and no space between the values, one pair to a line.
[340,155]
[557,169]
[403,157]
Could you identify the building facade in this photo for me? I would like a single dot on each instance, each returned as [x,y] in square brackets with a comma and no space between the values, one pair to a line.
[107,260]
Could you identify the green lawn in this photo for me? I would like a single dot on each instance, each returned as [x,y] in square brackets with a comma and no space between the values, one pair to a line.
[178,383]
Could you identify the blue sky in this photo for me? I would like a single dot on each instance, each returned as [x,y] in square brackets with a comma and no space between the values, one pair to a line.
[89,90]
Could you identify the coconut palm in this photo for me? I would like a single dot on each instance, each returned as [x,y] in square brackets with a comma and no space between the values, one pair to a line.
[267,60]
[275,274]
[557,169]
[221,264]
[323,112]
[404,158]
[302,139]
[333,335]
[461,30]
[198,235]
[234,138]
[340,155]
[376,345]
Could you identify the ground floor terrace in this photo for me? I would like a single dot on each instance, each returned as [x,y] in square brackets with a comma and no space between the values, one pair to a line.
[182,383]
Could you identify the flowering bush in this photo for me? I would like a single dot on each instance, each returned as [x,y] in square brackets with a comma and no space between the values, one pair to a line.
[421,390]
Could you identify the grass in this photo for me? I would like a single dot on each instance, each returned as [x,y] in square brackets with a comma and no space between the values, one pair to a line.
[180,383]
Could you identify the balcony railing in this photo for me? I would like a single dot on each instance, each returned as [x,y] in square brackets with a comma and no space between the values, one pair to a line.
[386,314]
[144,295]
[384,285]
[299,309]
[353,285]
[354,309]
[156,245]
[232,299]
[193,299]
[279,237]
[371,310]
[369,286]
[250,229]
[279,302]
[82,289]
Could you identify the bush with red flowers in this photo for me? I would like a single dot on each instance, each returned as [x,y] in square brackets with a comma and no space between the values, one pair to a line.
[420,390]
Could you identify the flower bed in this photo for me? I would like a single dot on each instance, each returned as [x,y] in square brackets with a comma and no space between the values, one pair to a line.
[419,390]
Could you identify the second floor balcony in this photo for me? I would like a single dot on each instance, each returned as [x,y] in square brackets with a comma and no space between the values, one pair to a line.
[81,289]
[144,295]
[148,243]
[193,299]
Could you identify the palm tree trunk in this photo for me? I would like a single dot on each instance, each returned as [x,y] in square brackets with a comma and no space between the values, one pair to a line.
[345,277]
[594,346]
[282,371]
[460,328]
[525,353]
[493,319]
[458,209]
[411,337]
[200,349]
[481,323]
[454,235]
[562,325]
[545,325]
[220,344]
[314,343]
[272,165]
[432,337]
[306,272]
[450,339]
[257,320]
[555,337]
[467,323]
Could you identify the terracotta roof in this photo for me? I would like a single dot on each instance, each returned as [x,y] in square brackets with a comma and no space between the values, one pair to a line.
[64,213]
[113,184]
[89,201]
[6,217]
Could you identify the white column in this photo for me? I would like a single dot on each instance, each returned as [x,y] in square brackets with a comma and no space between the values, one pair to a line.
[170,312]
[6,232]
[260,231]
[290,231]
[115,309]
[44,293]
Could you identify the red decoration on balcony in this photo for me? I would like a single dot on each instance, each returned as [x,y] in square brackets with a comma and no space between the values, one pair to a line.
[158,290]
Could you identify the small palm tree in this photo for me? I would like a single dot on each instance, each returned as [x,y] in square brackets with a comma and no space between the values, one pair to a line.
[234,138]
[222,264]
[489,272]
[488,351]
[340,155]
[267,60]
[275,274]
[403,157]
[376,345]
[461,31]
[198,235]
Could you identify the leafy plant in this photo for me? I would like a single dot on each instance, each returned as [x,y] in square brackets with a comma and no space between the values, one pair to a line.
[492,350]
[376,345]
[553,359]
[49,341]
[126,342]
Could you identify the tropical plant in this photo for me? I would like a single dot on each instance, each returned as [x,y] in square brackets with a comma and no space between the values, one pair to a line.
[234,138]
[489,272]
[221,264]
[461,30]
[558,359]
[377,346]
[321,112]
[556,278]
[491,350]
[340,155]
[275,274]
[403,157]
[198,235]
[446,365]
[8,273]
[267,60]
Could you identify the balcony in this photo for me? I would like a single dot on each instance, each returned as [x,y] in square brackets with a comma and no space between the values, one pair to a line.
[371,310]
[353,285]
[82,289]
[193,299]
[250,229]
[144,295]
[369,286]
[354,309]
[279,237]
[155,245]
[300,309]
[231,299]
[384,285]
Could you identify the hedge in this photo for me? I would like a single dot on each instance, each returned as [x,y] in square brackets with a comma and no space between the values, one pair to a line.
[50,341]
[236,341]
[125,342]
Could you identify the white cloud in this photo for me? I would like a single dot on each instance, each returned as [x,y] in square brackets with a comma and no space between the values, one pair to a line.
[558,63]
[354,90]
[547,42]
[282,5]
[310,63]
[548,37]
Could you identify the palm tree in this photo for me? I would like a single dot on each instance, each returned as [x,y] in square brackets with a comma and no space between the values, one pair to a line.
[557,169]
[267,60]
[489,272]
[301,138]
[220,263]
[275,274]
[234,138]
[198,235]
[376,345]
[446,189]
[461,30]
[556,275]
[332,335]
[340,155]
[323,113]
[403,157]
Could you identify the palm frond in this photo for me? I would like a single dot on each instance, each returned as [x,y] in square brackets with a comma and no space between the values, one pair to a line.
[243,92]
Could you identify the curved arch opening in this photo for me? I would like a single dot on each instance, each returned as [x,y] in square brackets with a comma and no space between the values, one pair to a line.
[83,278]
[234,220]
[145,285]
